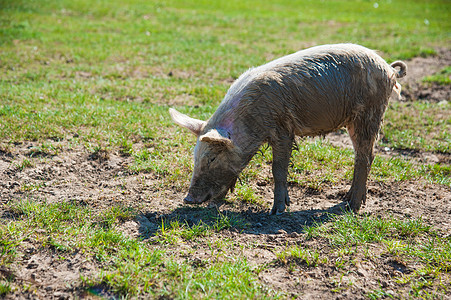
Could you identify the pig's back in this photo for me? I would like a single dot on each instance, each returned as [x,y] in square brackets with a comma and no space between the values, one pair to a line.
[320,89]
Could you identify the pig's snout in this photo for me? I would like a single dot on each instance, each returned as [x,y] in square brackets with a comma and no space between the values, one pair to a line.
[189,199]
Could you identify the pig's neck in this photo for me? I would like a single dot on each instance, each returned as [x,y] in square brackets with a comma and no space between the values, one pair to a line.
[242,128]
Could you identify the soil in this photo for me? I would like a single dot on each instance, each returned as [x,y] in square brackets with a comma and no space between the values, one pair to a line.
[412,86]
[103,180]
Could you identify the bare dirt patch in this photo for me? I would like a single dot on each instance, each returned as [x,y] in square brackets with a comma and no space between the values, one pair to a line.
[49,276]
[413,88]
[103,179]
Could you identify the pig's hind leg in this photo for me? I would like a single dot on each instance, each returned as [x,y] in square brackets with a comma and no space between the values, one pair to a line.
[363,132]
[281,159]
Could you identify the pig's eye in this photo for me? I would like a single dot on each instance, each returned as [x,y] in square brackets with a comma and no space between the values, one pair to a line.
[211,160]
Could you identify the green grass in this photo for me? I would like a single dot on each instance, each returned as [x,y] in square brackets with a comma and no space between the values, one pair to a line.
[172,231]
[246,194]
[5,288]
[300,255]
[127,266]
[352,230]
[443,77]
[415,245]
[418,126]
[100,71]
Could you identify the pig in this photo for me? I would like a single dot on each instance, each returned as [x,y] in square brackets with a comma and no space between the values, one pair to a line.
[308,93]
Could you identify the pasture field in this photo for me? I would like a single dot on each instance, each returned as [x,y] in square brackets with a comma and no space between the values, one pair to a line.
[93,171]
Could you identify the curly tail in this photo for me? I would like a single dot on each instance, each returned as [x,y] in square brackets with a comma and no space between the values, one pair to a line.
[402,68]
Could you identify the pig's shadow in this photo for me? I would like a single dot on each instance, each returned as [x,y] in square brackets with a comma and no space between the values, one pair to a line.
[249,221]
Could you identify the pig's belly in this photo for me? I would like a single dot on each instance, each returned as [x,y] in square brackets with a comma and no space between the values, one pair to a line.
[320,121]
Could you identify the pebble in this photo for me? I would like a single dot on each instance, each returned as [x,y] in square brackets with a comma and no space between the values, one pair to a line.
[61,295]
[294,234]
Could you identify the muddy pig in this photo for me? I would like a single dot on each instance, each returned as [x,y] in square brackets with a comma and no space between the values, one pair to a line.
[308,93]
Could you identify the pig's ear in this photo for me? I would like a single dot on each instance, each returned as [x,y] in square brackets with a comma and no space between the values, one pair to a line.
[194,125]
[214,137]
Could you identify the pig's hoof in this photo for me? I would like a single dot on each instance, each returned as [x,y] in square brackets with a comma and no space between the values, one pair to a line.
[278,209]
[277,212]
[353,201]
[355,205]
[281,201]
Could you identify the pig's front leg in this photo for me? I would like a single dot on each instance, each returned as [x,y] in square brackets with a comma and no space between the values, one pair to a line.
[281,159]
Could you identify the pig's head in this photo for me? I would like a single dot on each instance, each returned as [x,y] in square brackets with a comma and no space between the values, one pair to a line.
[217,161]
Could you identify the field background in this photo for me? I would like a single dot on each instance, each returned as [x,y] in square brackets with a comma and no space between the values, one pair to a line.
[93,171]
